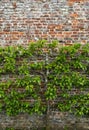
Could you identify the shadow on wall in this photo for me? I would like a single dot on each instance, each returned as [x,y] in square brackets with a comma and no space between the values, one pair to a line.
[49,128]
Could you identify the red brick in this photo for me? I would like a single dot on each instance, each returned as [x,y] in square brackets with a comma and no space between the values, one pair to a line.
[74,15]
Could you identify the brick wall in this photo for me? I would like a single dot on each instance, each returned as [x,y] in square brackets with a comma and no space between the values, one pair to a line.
[24,20]
[56,121]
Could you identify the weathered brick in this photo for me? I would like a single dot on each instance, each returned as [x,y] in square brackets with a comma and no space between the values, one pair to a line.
[71,2]
[23,21]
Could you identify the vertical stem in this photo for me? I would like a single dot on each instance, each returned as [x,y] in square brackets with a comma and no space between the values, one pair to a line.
[46,81]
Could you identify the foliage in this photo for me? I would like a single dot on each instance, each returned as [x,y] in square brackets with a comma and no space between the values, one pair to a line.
[34,78]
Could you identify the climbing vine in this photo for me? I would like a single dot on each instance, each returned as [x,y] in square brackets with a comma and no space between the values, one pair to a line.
[44,75]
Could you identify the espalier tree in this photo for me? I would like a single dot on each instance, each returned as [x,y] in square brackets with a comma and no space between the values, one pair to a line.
[44,76]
